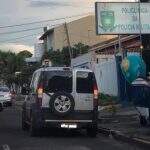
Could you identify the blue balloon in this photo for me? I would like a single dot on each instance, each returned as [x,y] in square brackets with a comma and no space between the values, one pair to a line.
[133,67]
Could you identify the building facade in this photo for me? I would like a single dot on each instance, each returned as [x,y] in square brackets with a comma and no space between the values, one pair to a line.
[79,31]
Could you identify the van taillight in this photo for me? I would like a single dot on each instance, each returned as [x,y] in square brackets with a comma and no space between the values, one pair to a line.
[40,92]
[95,91]
[39,95]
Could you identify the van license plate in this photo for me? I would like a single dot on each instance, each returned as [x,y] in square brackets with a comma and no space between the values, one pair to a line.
[69,126]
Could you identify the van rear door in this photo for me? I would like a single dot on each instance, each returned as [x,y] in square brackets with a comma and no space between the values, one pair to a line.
[84,90]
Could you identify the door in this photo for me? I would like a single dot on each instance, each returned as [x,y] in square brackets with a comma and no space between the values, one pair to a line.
[84,90]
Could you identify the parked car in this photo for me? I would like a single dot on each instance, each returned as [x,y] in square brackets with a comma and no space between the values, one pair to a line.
[5,96]
[61,98]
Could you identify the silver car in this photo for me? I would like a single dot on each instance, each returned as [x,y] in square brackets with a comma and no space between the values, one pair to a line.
[5,96]
[61,98]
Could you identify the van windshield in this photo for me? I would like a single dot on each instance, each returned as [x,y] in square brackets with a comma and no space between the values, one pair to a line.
[55,81]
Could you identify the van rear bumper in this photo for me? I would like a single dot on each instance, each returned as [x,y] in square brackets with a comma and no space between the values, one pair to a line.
[75,115]
[82,119]
[78,123]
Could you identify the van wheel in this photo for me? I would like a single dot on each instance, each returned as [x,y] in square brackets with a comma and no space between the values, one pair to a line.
[62,103]
[92,131]
[33,127]
[143,121]
[25,126]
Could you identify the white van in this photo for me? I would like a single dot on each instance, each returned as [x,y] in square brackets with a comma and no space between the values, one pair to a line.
[61,97]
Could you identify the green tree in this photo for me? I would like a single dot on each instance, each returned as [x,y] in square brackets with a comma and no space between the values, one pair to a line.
[79,49]
[65,56]
[11,63]
[62,57]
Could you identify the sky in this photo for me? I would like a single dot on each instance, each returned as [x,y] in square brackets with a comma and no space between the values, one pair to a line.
[24,11]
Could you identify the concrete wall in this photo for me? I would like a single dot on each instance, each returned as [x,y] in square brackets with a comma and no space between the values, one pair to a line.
[82,61]
[82,30]
[106,75]
[104,67]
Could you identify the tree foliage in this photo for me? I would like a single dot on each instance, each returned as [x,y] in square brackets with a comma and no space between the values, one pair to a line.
[10,63]
[62,57]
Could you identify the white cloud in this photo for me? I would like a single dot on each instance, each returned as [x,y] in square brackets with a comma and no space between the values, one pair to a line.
[16,47]
[22,11]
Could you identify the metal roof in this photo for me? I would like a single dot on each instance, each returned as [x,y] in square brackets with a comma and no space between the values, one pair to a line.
[111,42]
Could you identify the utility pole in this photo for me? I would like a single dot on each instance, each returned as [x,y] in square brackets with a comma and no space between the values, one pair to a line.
[120,46]
[89,40]
[145,38]
[45,40]
[68,40]
[140,26]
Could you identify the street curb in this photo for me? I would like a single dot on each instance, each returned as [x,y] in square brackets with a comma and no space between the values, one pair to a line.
[104,131]
[136,141]
[117,135]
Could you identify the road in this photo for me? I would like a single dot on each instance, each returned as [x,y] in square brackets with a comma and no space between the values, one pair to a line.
[13,138]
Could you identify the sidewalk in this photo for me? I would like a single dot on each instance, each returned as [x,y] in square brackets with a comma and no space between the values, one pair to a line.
[125,120]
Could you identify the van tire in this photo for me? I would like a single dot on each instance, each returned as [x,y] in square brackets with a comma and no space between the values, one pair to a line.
[34,130]
[25,126]
[92,131]
[53,100]
[143,121]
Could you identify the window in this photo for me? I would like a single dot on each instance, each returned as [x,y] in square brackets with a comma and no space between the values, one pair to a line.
[4,89]
[85,82]
[55,81]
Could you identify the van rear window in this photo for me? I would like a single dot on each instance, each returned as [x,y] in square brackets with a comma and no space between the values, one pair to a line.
[55,81]
[85,82]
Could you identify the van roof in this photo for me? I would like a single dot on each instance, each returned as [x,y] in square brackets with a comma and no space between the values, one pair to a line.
[63,68]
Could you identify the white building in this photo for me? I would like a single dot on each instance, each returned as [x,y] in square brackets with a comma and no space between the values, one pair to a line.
[38,52]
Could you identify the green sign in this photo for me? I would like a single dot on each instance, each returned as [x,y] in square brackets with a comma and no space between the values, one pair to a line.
[122,18]
[107,20]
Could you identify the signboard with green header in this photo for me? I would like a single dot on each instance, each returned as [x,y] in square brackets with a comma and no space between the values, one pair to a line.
[122,18]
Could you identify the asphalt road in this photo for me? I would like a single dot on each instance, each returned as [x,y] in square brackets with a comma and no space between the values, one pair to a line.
[13,138]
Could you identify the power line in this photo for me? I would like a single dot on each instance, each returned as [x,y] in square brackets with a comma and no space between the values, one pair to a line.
[18,31]
[25,30]
[8,40]
[42,21]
